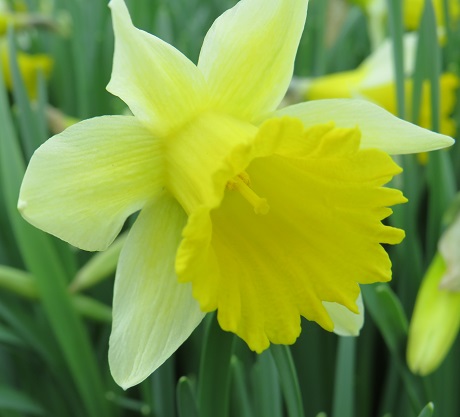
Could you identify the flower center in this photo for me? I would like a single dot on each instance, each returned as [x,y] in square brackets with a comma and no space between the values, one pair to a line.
[242,183]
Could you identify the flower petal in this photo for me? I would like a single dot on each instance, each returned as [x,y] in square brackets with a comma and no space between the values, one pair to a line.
[380,129]
[160,85]
[346,323]
[248,55]
[385,96]
[153,314]
[375,71]
[336,85]
[321,236]
[82,184]
[202,158]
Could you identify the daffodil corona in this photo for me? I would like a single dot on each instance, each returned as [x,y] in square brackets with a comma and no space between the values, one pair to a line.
[264,215]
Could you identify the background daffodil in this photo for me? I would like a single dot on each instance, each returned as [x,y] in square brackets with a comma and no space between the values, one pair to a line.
[265,215]
[412,13]
[413,9]
[30,65]
[374,80]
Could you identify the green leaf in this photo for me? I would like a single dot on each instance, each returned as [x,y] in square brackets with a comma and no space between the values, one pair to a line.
[92,309]
[186,400]
[266,387]
[130,404]
[13,400]
[241,399]
[428,411]
[440,171]
[213,397]
[388,314]
[163,385]
[18,281]
[288,379]
[395,17]
[9,337]
[99,267]
[27,121]
[42,260]
[344,384]
[24,327]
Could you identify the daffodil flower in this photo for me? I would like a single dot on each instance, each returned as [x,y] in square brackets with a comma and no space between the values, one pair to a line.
[413,9]
[374,80]
[30,65]
[377,11]
[264,215]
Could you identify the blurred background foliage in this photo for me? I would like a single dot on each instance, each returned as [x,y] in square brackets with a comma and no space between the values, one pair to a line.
[56,58]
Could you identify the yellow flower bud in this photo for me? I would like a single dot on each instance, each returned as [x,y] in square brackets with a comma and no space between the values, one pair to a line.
[435,321]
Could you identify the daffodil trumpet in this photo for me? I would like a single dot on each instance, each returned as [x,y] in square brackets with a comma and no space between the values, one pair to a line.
[264,215]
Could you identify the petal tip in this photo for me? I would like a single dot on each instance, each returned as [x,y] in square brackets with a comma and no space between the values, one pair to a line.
[22,205]
[123,372]
[113,3]
[449,141]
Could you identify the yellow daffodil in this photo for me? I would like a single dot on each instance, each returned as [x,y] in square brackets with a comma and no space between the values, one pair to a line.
[413,9]
[8,18]
[374,80]
[377,11]
[30,65]
[264,215]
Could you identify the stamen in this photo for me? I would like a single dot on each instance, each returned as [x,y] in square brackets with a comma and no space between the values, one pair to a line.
[241,183]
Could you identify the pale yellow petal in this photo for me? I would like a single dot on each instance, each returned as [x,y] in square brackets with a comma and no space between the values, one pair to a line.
[346,322]
[385,96]
[160,85]
[379,128]
[82,184]
[248,55]
[153,314]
